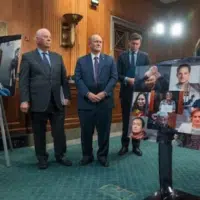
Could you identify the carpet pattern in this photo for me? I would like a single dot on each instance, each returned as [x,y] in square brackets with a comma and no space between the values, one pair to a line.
[128,178]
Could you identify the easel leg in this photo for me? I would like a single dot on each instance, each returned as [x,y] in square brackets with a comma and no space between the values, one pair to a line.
[6,124]
[7,158]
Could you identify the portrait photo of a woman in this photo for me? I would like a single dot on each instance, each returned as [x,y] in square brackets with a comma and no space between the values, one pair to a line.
[168,104]
[192,127]
[140,104]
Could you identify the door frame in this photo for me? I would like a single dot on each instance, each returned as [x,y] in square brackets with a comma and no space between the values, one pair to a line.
[130,25]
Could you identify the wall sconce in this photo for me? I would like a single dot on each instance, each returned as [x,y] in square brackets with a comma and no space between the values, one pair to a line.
[94,3]
[68,24]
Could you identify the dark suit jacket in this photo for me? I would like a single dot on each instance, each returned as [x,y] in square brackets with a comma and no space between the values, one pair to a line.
[84,78]
[36,84]
[123,66]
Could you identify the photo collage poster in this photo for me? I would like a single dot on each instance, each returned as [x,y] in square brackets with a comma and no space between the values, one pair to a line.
[10,47]
[168,95]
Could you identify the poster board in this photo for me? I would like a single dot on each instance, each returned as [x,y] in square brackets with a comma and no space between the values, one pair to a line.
[168,94]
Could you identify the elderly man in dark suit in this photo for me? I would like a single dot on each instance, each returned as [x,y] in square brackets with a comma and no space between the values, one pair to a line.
[42,75]
[126,66]
[95,77]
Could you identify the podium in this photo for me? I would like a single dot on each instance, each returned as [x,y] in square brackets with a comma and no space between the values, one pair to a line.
[166,191]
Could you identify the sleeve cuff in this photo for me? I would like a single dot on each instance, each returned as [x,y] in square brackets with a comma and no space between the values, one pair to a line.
[125,80]
[87,94]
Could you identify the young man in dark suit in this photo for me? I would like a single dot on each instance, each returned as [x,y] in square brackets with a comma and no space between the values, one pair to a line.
[95,77]
[42,74]
[126,66]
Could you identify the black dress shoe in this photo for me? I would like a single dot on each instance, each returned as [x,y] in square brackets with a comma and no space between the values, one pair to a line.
[42,164]
[104,162]
[65,162]
[86,160]
[137,151]
[123,151]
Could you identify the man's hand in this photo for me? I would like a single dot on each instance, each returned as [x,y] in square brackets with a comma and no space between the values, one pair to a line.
[131,81]
[152,70]
[101,95]
[151,82]
[93,97]
[67,102]
[24,107]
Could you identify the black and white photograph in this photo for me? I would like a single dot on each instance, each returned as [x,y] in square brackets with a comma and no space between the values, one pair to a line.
[9,57]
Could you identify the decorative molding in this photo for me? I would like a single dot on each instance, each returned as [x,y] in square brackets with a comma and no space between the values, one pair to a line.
[119,21]
[129,25]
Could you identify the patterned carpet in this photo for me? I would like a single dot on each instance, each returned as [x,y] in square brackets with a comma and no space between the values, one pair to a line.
[127,178]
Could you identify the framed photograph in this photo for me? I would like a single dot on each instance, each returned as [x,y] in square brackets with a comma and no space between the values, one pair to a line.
[9,59]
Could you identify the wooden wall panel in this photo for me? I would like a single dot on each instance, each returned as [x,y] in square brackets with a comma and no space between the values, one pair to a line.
[23,17]
[26,16]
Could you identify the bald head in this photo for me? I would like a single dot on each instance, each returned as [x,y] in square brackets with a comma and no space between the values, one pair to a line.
[95,43]
[94,36]
[43,39]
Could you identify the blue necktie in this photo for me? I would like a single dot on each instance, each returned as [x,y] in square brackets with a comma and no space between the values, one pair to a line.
[45,60]
[133,61]
[133,64]
[96,68]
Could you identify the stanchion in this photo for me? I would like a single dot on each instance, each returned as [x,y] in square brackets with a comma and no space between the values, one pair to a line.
[166,191]
[7,158]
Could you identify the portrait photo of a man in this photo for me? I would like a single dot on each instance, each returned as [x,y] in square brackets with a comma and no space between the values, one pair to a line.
[153,78]
[185,78]
[137,128]
[157,119]
[137,132]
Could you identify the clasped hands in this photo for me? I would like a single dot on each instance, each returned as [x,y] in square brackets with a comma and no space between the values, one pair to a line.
[96,97]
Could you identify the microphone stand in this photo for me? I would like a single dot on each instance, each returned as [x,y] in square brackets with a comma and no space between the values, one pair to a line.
[166,191]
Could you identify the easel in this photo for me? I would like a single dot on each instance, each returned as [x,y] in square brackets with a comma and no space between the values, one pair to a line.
[4,132]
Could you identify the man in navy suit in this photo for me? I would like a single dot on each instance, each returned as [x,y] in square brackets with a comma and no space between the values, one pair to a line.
[95,77]
[126,65]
